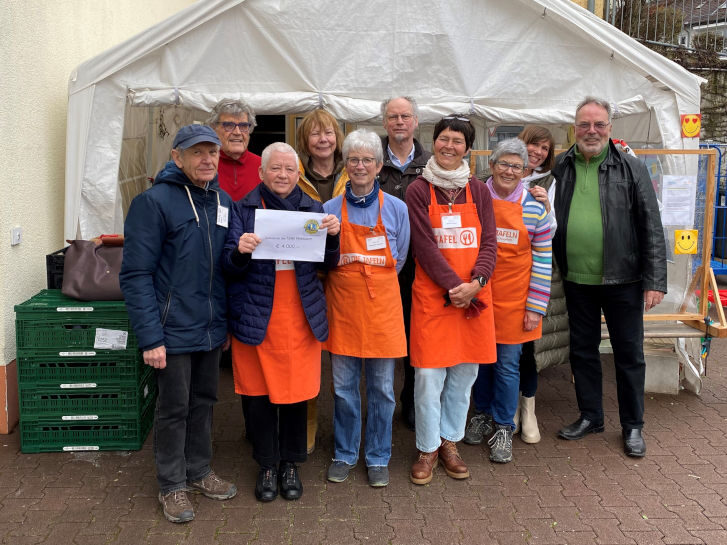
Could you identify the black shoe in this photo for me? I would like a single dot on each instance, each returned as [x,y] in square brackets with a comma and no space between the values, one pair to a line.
[634,444]
[266,487]
[290,486]
[580,428]
[407,415]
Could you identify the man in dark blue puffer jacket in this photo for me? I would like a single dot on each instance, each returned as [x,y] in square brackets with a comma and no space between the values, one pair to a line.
[172,282]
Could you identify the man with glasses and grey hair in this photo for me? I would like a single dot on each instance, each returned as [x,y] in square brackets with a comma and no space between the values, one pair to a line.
[610,249]
[234,121]
[404,160]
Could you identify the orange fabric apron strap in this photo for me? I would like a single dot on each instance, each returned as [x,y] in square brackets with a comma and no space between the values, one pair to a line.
[286,366]
[442,336]
[511,279]
[365,316]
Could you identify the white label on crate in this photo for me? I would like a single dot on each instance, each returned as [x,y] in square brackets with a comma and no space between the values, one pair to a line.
[79,385]
[110,339]
[74,309]
[89,447]
[146,390]
[81,353]
[80,417]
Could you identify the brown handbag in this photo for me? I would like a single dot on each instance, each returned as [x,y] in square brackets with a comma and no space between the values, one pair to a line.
[91,269]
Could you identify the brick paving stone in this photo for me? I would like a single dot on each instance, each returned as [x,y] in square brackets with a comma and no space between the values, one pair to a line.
[652,537]
[568,519]
[653,507]
[144,508]
[339,511]
[578,538]
[405,510]
[466,508]
[37,523]
[630,519]
[14,509]
[543,532]
[574,485]
[712,504]
[530,510]
[608,532]
[23,540]
[509,538]
[711,538]
[240,521]
[64,532]
[317,538]
[552,496]
[273,531]
[503,520]
[310,519]
[675,533]
[693,517]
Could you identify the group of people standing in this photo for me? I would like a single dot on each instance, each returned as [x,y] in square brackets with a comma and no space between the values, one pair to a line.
[422,261]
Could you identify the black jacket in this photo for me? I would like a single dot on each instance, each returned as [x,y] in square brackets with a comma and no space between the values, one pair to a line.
[633,237]
[392,180]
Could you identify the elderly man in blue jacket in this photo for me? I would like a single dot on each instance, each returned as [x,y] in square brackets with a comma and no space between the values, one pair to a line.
[172,282]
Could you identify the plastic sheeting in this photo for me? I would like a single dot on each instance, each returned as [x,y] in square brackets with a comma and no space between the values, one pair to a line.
[519,61]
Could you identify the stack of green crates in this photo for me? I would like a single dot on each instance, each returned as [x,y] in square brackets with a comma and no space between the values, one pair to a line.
[73,396]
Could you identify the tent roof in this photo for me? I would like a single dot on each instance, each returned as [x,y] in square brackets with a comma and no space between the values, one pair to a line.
[507,62]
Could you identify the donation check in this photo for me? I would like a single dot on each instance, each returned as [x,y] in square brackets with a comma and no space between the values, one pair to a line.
[293,236]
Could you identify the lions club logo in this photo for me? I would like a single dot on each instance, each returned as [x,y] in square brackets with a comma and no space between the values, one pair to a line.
[311,227]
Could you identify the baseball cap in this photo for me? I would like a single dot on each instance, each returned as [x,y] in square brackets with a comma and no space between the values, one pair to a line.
[189,135]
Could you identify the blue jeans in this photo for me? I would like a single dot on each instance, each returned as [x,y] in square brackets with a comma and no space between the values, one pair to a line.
[347,408]
[441,401]
[497,386]
[183,418]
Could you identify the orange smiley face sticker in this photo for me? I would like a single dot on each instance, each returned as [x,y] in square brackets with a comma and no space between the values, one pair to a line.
[691,125]
[685,241]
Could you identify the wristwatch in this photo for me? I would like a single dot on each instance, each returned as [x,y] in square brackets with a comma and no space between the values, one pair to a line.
[482,280]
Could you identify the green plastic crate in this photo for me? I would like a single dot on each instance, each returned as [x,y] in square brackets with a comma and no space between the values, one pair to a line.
[44,369]
[113,399]
[52,320]
[41,435]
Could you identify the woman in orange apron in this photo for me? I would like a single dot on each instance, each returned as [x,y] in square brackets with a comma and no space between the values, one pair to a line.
[366,323]
[277,317]
[520,291]
[452,325]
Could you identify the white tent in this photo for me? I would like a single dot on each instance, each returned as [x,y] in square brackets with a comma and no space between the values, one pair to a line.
[508,62]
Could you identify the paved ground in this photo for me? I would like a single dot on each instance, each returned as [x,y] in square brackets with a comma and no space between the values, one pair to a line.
[555,492]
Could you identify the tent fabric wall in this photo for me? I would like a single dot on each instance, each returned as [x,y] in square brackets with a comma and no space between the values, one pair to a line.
[520,61]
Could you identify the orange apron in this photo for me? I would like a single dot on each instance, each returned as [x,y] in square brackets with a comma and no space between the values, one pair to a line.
[442,336]
[365,318]
[286,366]
[511,279]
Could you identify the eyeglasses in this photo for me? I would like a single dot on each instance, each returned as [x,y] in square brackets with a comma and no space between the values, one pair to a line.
[458,118]
[600,126]
[354,161]
[404,117]
[229,126]
[503,165]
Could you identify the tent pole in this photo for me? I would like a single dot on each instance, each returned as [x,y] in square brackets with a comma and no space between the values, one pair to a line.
[592,6]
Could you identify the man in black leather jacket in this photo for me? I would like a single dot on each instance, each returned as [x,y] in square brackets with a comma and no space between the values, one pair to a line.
[610,248]
[404,160]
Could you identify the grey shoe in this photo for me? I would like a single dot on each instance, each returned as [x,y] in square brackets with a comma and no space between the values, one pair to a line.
[213,487]
[338,471]
[378,475]
[479,427]
[501,445]
[176,506]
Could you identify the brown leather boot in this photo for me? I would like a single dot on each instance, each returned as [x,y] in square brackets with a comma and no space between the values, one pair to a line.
[423,469]
[453,464]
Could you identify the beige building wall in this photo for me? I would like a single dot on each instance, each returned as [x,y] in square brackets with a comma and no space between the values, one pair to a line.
[598,8]
[41,42]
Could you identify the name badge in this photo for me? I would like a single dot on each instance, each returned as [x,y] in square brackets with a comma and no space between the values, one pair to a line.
[451,221]
[507,236]
[375,243]
[223,213]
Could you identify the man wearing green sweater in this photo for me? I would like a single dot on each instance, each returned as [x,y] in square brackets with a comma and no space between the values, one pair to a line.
[610,248]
